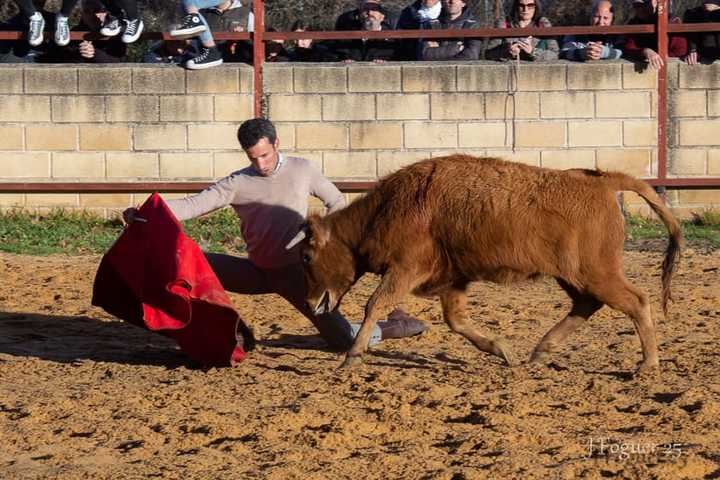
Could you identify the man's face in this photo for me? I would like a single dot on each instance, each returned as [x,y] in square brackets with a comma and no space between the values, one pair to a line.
[429,3]
[602,17]
[264,156]
[372,19]
[454,7]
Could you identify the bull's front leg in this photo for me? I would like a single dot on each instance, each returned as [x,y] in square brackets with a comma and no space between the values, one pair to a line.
[392,289]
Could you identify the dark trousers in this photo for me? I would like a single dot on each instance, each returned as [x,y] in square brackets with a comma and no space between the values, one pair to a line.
[28,9]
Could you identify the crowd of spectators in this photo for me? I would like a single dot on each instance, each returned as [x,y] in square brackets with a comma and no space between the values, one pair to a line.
[194,47]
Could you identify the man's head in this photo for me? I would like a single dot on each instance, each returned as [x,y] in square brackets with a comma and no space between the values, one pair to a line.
[453,8]
[258,138]
[429,3]
[93,13]
[372,16]
[602,13]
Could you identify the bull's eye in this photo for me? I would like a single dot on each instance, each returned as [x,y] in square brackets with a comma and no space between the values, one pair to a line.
[306,258]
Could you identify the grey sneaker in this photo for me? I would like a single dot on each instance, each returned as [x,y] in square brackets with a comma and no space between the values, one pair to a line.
[110,27]
[190,26]
[35,31]
[133,29]
[62,30]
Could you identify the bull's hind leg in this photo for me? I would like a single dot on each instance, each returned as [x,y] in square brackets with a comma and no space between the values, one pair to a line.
[582,308]
[621,295]
[454,303]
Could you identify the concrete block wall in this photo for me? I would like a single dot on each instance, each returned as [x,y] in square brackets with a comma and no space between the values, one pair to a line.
[357,121]
[117,123]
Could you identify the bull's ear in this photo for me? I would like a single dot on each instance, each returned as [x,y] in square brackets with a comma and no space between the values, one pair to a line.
[319,232]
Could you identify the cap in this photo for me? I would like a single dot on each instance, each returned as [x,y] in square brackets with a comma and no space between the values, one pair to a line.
[372,6]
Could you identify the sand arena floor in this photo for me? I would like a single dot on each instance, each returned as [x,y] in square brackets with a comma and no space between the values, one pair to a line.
[83,395]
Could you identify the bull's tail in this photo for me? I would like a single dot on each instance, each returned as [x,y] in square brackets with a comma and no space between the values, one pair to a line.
[619,181]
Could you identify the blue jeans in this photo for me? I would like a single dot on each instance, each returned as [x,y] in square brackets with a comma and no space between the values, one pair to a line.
[206,36]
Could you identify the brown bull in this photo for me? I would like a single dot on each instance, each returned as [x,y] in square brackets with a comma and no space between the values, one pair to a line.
[437,225]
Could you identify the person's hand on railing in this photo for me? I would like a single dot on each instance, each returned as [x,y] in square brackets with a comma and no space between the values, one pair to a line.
[593,51]
[691,58]
[653,58]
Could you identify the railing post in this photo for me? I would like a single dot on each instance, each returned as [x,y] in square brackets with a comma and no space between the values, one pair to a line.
[258,55]
[663,41]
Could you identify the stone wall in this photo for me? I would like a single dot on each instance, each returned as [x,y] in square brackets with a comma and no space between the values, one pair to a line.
[85,123]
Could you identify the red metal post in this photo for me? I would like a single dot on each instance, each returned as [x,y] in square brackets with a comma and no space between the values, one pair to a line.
[662,36]
[258,54]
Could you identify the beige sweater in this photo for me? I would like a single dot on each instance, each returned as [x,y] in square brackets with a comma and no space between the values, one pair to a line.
[271,209]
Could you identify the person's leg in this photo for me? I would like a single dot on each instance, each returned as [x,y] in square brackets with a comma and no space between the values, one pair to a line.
[26,7]
[238,275]
[67,7]
[127,6]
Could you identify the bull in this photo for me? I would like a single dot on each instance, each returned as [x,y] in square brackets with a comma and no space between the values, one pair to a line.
[435,226]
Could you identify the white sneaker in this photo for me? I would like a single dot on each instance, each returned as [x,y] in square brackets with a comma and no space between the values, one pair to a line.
[133,29]
[62,30]
[110,27]
[35,31]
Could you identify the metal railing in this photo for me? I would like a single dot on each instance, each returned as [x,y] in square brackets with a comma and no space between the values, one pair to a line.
[259,36]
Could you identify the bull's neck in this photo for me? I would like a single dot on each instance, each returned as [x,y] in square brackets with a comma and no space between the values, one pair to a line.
[351,224]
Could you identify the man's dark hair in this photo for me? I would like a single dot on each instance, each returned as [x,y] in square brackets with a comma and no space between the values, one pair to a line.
[251,131]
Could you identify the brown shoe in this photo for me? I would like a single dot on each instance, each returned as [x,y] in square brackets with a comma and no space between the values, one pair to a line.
[400,325]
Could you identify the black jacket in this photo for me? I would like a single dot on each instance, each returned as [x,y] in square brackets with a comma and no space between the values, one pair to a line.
[453,48]
[706,44]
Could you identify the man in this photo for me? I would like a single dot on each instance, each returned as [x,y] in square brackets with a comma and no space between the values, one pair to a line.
[454,15]
[640,47]
[271,199]
[414,17]
[371,17]
[352,20]
[594,47]
[703,45]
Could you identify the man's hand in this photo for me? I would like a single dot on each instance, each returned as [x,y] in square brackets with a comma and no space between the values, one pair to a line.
[653,58]
[593,51]
[432,44]
[87,50]
[691,58]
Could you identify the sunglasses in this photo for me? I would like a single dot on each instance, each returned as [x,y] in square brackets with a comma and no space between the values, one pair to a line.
[526,6]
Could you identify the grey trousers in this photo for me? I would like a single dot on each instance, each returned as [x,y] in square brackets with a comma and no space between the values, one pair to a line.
[240,275]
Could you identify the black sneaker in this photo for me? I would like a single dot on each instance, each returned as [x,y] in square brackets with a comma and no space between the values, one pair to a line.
[209,57]
[191,25]
[110,26]
[133,29]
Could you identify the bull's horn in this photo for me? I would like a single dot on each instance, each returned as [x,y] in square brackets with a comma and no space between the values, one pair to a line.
[296,239]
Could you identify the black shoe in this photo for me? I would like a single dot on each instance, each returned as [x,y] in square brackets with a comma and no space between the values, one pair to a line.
[190,26]
[133,30]
[110,26]
[400,325]
[209,57]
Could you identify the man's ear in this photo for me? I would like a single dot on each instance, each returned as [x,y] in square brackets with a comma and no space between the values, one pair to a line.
[319,232]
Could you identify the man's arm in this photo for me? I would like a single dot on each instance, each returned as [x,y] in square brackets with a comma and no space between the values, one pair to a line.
[325,190]
[212,198]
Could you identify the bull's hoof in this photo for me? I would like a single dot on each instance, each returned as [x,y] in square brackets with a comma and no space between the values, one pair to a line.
[646,368]
[503,351]
[351,362]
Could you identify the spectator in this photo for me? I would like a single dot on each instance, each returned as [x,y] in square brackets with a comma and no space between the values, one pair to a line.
[640,47]
[175,52]
[231,17]
[456,16]
[275,50]
[594,47]
[703,46]
[306,49]
[194,24]
[353,20]
[373,18]
[125,12]
[414,17]
[36,22]
[524,14]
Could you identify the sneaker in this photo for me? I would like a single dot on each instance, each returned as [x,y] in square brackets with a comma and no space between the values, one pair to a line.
[191,25]
[399,325]
[209,57]
[62,30]
[35,32]
[133,29]
[110,27]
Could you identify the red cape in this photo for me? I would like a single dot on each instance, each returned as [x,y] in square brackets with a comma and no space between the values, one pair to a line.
[156,277]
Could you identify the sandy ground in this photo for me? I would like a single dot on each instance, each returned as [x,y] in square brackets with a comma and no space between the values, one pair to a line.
[83,395]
